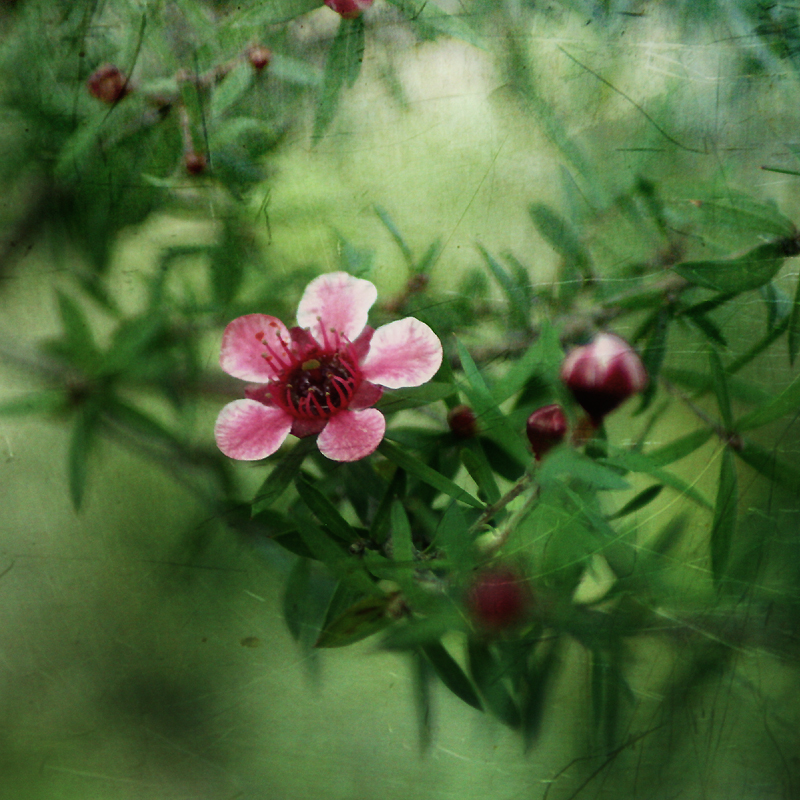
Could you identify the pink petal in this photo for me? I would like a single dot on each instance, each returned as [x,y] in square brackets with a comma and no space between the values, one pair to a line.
[245,344]
[352,435]
[336,301]
[248,430]
[307,427]
[402,353]
[366,395]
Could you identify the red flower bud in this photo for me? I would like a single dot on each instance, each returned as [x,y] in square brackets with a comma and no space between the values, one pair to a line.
[603,374]
[259,56]
[461,420]
[108,84]
[349,9]
[499,599]
[195,163]
[546,428]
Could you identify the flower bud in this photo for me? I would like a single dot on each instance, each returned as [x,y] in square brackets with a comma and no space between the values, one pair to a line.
[603,374]
[546,428]
[108,84]
[498,600]
[349,9]
[462,422]
[259,56]
[195,163]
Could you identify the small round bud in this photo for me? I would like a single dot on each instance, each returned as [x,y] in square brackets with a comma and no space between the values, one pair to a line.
[546,428]
[108,84]
[195,163]
[462,422]
[349,9]
[499,600]
[603,374]
[259,56]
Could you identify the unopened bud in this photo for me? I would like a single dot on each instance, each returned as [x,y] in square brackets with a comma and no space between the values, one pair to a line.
[349,9]
[603,374]
[108,84]
[499,600]
[259,56]
[462,422]
[195,163]
[546,428]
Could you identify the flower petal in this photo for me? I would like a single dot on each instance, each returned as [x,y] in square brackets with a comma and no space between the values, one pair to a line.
[366,395]
[402,353]
[246,343]
[248,430]
[352,435]
[336,301]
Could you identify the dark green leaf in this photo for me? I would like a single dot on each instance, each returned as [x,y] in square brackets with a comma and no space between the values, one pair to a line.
[325,511]
[34,403]
[83,434]
[519,306]
[474,459]
[342,67]
[130,344]
[427,16]
[422,471]
[284,473]
[410,634]
[273,12]
[653,355]
[708,328]
[784,402]
[639,501]
[779,306]
[364,618]
[724,525]
[542,359]
[294,71]
[227,265]
[679,448]
[402,546]
[233,87]
[487,675]
[558,233]
[794,326]
[452,536]
[533,695]
[414,397]
[295,594]
[567,463]
[770,465]
[719,382]
[451,674]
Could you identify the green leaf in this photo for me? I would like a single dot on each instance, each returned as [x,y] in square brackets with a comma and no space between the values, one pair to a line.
[34,403]
[517,294]
[487,675]
[131,341]
[783,403]
[384,217]
[83,436]
[770,465]
[558,233]
[414,397]
[282,475]
[422,471]
[227,265]
[78,341]
[640,500]
[679,448]
[537,679]
[565,462]
[451,674]
[425,14]
[542,359]
[325,511]
[794,325]
[740,274]
[273,12]
[493,421]
[720,385]
[343,65]
[779,306]
[233,88]
[653,355]
[364,618]
[294,71]
[474,460]
[452,536]
[295,594]
[402,546]
[724,525]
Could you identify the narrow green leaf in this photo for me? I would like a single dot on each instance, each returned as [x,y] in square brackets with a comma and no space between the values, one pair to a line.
[402,546]
[709,329]
[519,305]
[422,471]
[537,679]
[638,501]
[487,675]
[778,304]
[542,359]
[292,70]
[493,422]
[653,355]
[227,265]
[364,618]
[740,274]
[273,12]
[384,217]
[232,88]
[794,325]
[428,258]
[451,674]
[414,397]
[783,403]
[474,460]
[426,15]
[778,470]
[83,435]
[679,448]
[131,342]
[452,536]
[565,462]
[720,385]
[284,473]
[325,511]
[34,403]
[295,593]
[342,67]
[724,525]
[558,233]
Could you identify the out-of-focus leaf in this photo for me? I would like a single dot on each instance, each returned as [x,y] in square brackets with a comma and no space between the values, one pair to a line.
[493,422]
[451,674]
[34,403]
[559,234]
[83,434]
[719,382]
[273,12]
[422,696]
[131,340]
[565,462]
[474,459]
[342,67]
[425,14]
[638,501]
[770,465]
[779,306]
[679,448]
[723,526]
[233,88]
[364,618]
[543,359]
[452,536]
[227,265]
[516,294]
[740,212]
[295,71]
[402,547]
[414,397]
[783,403]
[794,326]
[487,675]
[708,328]
[746,391]
[740,274]
[388,222]
[295,594]
[325,511]
[537,678]
[653,355]
[430,476]
[282,475]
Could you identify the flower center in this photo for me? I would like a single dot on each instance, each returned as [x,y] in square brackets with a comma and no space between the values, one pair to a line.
[320,386]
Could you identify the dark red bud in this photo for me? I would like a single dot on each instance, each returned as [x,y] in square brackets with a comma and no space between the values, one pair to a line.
[546,428]
[108,84]
[195,163]
[462,422]
[349,9]
[259,56]
[603,374]
[498,600]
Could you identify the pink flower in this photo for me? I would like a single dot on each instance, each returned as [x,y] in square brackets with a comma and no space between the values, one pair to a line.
[323,376]
[499,599]
[349,9]
[603,374]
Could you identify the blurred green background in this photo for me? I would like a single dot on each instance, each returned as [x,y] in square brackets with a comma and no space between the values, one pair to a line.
[143,650]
